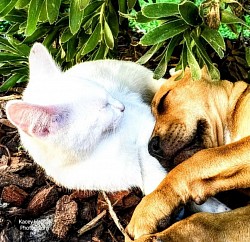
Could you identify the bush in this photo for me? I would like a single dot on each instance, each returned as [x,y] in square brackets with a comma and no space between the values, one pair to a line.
[190,26]
[72,30]
[76,30]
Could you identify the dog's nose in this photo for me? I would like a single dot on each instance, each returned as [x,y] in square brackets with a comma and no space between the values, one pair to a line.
[154,147]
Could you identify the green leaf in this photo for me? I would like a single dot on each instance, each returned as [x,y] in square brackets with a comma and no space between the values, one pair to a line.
[184,61]
[140,18]
[193,64]
[108,36]
[5,42]
[148,55]
[50,37]
[15,16]
[71,49]
[88,20]
[8,69]
[43,17]
[92,7]
[66,35]
[190,13]
[122,6]
[4,57]
[112,20]
[13,29]
[164,32]
[5,48]
[11,81]
[162,67]
[93,40]
[62,21]
[131,4]
[200,47]
[76,14]
[214,72]
[159,10]
[215,40]
[39,32]
[229,18]
[33,15]
[83,38]
[101,52]
[6,6]
[122,9]
[52,7]
[22,4]
[22,49]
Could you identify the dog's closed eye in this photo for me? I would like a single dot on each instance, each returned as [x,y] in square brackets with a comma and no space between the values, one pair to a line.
[161,108]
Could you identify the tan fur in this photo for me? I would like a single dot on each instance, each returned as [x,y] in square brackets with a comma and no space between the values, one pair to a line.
[224,164]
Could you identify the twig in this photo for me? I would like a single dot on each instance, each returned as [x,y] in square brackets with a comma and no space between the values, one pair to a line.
[112,236]
[113,215]
[8,153]
[92,224]
[10,97]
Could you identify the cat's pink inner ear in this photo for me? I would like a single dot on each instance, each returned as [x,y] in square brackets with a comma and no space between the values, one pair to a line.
[34,120]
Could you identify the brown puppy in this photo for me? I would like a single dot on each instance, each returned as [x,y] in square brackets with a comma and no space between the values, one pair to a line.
[213,117]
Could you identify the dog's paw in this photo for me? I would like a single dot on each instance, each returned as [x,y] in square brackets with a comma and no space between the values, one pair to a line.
[150,215]
[141,223]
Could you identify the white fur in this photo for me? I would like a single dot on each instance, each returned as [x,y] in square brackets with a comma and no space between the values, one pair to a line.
[212,205]
[89,127]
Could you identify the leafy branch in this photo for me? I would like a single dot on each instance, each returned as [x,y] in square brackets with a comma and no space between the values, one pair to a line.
[76,30]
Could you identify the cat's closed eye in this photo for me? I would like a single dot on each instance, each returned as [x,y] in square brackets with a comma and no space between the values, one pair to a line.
[104,106]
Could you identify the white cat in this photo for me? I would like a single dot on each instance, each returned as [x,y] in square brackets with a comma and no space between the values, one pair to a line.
[89,126]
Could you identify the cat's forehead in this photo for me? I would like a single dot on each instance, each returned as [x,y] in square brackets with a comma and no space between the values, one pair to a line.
[65,90]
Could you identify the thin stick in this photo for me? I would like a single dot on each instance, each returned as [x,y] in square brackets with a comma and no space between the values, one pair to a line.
[8,153]
[112,236]
[113,214]
[10,97]
[92,224]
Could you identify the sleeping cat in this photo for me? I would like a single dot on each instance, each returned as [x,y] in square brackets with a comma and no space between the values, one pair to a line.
[89,126]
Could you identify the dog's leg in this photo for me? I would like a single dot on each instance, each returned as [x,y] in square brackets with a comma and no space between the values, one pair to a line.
[201,176]
[205,227]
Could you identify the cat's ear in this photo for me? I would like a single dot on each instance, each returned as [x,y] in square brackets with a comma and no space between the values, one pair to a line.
[35,120]
[41,63]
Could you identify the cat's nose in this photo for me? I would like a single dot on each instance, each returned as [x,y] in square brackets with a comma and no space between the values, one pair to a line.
[118,105]
[121,107]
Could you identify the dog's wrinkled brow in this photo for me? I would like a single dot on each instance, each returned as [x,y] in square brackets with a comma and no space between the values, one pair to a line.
[161,107]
